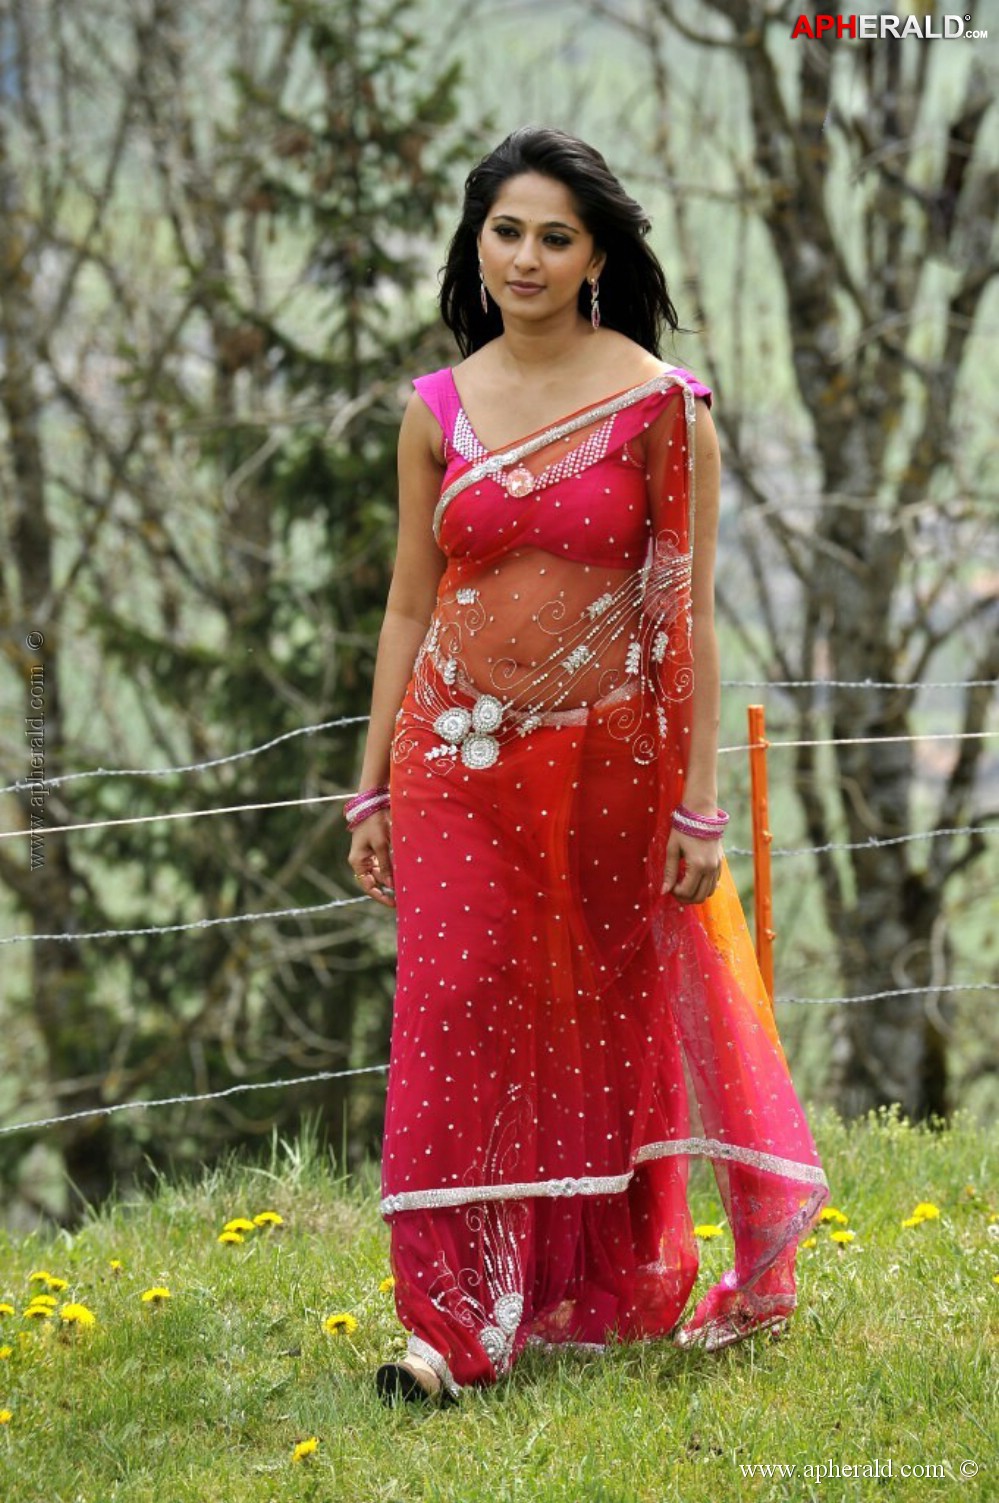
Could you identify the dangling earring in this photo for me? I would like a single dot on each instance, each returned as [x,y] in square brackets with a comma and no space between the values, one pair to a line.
[483,295]
[595,302]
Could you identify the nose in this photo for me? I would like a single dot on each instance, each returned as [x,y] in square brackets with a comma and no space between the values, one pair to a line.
[527,253]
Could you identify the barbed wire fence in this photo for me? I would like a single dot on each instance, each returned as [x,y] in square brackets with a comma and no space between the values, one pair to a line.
[315,910]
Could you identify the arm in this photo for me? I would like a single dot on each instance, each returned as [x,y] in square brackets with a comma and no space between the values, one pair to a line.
[701,858]
[416,573]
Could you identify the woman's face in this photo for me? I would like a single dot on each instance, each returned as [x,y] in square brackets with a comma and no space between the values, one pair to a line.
[535,250]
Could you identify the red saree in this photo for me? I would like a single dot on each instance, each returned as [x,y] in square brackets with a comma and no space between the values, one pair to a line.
[566,1037]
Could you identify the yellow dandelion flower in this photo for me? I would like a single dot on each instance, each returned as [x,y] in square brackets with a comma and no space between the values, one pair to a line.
[305,1449]
[5,1416]
[386,1285]
[5,1352]
[927,1210]
[155,1296]
[913,1220]
[48,1300]
[842,1236]
[708,1230]
[115,1265]
[6,1309]
[238,1224]
[231,1238]
[40,1276]
[37,1312]
[333,1325]
[57,1285]
[830,1213]
[810,1242]
[268,1218]
[995,1280]
[77,1315]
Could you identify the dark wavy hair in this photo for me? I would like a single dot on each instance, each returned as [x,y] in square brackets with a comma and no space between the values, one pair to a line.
[634,298]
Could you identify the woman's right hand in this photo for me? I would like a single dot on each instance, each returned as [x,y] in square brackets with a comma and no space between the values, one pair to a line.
[370,856]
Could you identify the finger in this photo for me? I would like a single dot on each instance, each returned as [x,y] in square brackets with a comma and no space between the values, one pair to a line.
[674,871]
[372,890]
[696,885]
[383,861]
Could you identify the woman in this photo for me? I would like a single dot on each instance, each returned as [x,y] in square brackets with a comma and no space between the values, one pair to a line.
[578,1006]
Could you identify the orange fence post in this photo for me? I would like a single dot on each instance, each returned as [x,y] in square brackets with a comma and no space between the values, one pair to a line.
[762,838]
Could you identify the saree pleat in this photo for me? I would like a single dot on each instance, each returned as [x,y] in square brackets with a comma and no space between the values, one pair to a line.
[566,1038]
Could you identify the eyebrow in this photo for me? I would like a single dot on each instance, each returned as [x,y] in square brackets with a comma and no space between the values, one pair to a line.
[549,224]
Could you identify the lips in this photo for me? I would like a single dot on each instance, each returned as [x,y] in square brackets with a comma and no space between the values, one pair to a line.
[526,286]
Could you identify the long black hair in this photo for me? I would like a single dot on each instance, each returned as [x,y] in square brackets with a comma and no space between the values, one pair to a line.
[634,298]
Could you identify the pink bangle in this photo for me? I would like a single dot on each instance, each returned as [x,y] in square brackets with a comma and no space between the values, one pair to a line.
[363,804]
[719,818]
[362,814]
[700,826]
[366,793]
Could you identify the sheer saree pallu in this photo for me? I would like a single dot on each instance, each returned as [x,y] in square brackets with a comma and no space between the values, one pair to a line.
[565,1036]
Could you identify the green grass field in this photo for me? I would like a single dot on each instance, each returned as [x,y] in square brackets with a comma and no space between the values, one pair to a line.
[204,1395]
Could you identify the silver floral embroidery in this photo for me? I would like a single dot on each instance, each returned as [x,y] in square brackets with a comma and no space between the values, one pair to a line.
[601,604]
[659,647]
[487,713]
[489,1301]
[453,725]
[577,658]
[479,752]
[633,657]
[467,595]
[468,732]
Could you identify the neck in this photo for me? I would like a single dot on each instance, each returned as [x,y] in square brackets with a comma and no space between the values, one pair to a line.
[538,348]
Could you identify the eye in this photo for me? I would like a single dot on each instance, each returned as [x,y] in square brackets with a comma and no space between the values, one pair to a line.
[558,240]
[504,231]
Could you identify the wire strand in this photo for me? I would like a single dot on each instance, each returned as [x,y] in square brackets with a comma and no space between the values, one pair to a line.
[323,1075]
[209,923]
[900,991]
[864,740]
[21,784]
[311,910]
[165,772]
[874,842]
[327,798]
[144,1106]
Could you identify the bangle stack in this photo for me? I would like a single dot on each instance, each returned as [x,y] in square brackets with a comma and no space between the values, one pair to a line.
[365,803]
[700,826]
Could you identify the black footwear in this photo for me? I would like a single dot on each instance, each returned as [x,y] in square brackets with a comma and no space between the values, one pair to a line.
[396,1383]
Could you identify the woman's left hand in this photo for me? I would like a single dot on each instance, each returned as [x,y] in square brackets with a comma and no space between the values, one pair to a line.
[693,867]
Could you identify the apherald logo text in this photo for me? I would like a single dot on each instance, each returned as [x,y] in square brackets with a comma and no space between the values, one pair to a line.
[874,28]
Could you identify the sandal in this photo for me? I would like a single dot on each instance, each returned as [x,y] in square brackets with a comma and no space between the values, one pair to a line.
[400,1382]
[728,1314]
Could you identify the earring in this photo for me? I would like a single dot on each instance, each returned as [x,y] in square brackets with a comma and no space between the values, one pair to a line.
[595,302]
[483,295]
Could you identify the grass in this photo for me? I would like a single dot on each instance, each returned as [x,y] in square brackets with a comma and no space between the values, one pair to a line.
[202,1397]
